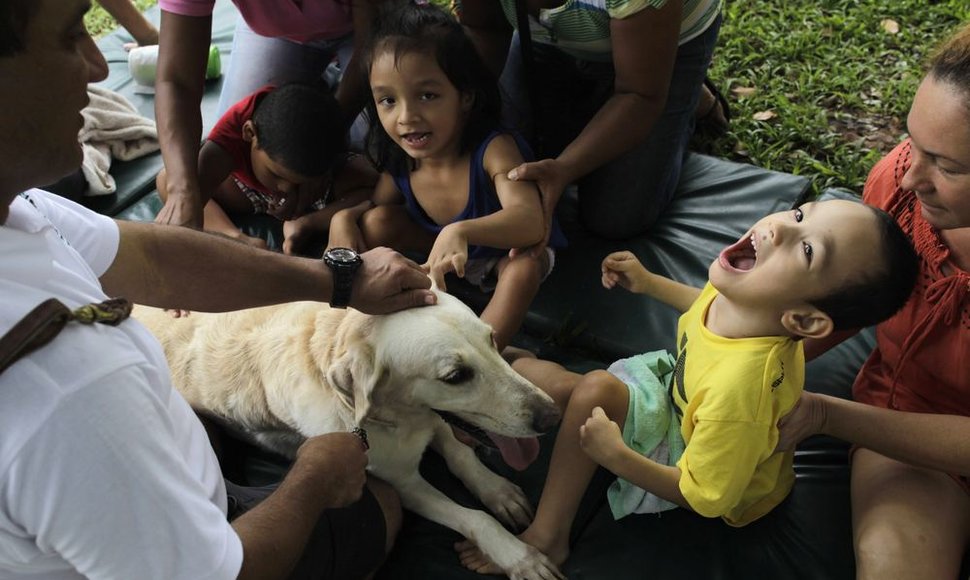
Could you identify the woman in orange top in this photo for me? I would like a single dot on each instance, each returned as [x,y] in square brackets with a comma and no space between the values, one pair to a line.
[910,495]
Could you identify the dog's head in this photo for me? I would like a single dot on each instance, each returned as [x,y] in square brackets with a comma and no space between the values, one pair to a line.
[440,357]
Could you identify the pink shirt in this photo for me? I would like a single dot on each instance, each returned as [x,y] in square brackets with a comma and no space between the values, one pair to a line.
[297,20]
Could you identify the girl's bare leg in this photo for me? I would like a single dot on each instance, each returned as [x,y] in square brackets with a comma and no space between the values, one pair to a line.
[570,472]
[391,226]
[907,522]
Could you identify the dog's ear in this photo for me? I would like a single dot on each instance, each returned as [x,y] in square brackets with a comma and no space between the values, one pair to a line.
[354,375]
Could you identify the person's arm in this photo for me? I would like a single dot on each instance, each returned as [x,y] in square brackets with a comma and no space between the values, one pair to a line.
[624,269]
[644,52]
[328,473]
[940,442]
[489,31]
[344,231]
[297,232]
[132,20]
[816,347]
[354,89]
[170,267]
[182,56]
[602,440]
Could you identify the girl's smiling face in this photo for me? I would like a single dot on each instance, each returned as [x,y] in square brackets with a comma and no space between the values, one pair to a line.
[418,106]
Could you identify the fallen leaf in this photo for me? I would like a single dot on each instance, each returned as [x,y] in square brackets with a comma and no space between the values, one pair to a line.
[764,115]
[890,26]
[744,91]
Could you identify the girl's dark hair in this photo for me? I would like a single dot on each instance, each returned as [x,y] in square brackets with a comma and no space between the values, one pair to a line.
[875,296]
[950,62]
[300,126]
[404,28]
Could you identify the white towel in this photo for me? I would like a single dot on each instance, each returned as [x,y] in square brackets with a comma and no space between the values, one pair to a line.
[113,129]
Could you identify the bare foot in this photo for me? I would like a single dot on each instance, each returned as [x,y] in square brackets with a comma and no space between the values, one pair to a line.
[473,558]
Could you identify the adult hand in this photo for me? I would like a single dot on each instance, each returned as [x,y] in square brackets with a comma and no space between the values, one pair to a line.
[181,209]
[387,282]
[806,418]
[449,254]
[339,459]
[625,269]
[601,438]
[550,177]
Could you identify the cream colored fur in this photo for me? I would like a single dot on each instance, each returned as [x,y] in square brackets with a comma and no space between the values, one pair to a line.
[284,373]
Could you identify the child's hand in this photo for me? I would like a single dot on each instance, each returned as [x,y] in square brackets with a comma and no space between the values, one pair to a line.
[449,254]
[625,269]
[601,438]
[344,232]
[296,235]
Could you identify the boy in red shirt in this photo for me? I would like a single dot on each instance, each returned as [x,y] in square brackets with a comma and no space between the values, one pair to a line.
[283,152]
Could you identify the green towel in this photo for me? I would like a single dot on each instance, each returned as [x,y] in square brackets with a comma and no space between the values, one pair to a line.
[652,427]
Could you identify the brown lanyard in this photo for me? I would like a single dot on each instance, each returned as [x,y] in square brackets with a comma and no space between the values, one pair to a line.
[46,321]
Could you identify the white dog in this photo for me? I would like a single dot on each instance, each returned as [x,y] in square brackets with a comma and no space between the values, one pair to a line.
[288,372]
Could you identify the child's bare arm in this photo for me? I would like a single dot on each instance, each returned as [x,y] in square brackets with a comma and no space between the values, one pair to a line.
[624,269]
[520,221]
[344,229]
[602,440]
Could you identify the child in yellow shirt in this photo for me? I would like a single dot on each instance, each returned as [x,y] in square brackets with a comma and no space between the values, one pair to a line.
[739,368]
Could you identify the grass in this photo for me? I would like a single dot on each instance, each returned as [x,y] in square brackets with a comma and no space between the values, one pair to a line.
[100,22]
[833,78]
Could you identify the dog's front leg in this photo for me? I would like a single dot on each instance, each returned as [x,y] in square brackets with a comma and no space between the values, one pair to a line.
[502,497]
[517,559]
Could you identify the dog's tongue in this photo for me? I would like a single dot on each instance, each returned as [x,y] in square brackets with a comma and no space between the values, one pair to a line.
[518,453]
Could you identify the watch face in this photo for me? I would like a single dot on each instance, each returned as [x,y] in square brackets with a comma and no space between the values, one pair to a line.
[343,255]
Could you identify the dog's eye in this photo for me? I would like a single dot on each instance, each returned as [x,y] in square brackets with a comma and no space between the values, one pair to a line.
[459,375]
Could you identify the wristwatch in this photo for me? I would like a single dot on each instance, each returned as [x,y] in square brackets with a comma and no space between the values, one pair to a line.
[343,262]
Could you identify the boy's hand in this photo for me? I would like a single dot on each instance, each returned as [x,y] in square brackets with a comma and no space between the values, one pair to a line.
[601,438]
[625,269]
[449,254]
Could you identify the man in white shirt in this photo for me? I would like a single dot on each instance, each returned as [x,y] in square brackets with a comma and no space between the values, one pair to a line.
[105,472]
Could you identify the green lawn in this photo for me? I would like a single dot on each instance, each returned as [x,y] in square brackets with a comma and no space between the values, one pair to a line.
[831,80]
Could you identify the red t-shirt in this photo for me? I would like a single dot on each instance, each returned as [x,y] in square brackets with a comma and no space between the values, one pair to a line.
[922,358]
[227,134]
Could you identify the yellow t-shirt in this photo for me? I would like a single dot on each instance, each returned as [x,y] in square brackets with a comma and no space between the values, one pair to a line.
[730,394]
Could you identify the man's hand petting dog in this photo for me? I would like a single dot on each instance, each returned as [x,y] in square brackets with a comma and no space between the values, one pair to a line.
[387,282]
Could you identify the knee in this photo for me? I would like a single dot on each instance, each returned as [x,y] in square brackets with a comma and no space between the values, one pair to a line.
[524,271]
[377,223]
[390,503]
[602,389]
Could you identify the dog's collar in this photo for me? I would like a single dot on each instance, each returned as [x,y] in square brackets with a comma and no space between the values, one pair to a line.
[477,432]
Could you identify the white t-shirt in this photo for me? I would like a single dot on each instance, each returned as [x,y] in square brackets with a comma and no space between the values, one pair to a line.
[105,472]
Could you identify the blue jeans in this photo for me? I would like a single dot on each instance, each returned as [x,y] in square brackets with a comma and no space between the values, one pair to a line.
[626,196]
[257,60]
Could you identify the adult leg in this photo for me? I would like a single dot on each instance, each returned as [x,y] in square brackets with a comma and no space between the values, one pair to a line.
[626,196]
[260,60]
[518,282]
[570,471]
[908,522]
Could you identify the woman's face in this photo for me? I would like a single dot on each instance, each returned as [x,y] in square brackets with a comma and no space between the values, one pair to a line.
[939,124]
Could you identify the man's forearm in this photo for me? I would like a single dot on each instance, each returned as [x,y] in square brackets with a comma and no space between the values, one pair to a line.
[173,267]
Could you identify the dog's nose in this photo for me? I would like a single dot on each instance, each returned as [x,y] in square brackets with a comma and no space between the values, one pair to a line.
[545,418]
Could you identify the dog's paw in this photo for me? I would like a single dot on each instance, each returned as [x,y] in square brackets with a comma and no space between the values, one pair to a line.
[508,503]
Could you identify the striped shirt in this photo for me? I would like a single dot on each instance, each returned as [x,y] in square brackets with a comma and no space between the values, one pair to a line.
[581,28]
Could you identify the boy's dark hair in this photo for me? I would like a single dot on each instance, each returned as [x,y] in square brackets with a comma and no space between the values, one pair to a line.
[872,298]
[301,127]
[14,17]
[405,27]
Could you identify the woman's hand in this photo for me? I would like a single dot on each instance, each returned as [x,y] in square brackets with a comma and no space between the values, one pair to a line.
[449,254]
[806,418]
[550,177]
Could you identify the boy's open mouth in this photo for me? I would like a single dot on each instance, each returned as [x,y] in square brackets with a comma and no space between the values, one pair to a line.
[741,256]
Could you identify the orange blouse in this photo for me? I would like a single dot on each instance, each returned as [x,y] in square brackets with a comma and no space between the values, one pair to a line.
[922,358]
